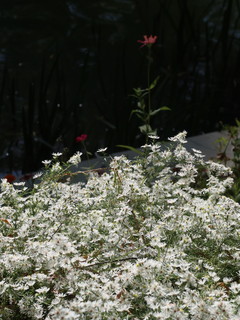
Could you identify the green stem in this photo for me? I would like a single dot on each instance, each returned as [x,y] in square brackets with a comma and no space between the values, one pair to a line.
[85,150]
[148,86]
[148,79]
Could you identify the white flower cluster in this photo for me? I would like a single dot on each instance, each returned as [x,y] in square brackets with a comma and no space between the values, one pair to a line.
[150,239]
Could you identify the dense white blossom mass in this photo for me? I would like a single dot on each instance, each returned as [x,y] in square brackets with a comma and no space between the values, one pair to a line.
[153,238]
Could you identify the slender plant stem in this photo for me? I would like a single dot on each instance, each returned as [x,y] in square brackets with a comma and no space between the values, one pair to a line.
[85,149]
[149,93]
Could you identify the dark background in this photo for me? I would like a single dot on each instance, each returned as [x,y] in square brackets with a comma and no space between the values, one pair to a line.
[69,67]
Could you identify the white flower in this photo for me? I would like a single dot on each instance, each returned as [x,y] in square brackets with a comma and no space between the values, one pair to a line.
[56,154]
[198,153]
[235,287]
[42,290]
[56,167]
[101,150]
[181,137]
[37,175]
[75,159]
[19,184]
[153,137]
[196,150]
[46,162]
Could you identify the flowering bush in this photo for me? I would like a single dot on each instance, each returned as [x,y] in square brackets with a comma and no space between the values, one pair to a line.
[153,238]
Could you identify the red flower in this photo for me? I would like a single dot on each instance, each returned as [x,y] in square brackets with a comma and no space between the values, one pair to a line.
[148,41]
[81,138]
[10,178]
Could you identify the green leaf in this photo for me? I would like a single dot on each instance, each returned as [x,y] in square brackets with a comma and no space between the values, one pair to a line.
[146,129]
[152,113]
[140,95]
[165,108]
[137,111]
[154,83]
[145,92]
[138,92]
[237,122]
[130,148]
[139,114]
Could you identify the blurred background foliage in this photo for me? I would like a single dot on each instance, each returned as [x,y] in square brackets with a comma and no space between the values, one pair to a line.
[68,67]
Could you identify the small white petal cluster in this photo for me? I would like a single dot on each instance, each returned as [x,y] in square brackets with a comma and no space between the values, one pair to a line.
[154,238]
[101,150]
[75,159]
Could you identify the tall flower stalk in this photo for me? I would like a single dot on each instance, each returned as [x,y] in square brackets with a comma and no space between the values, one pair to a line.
[144,110]
[148,41]
[82,139]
